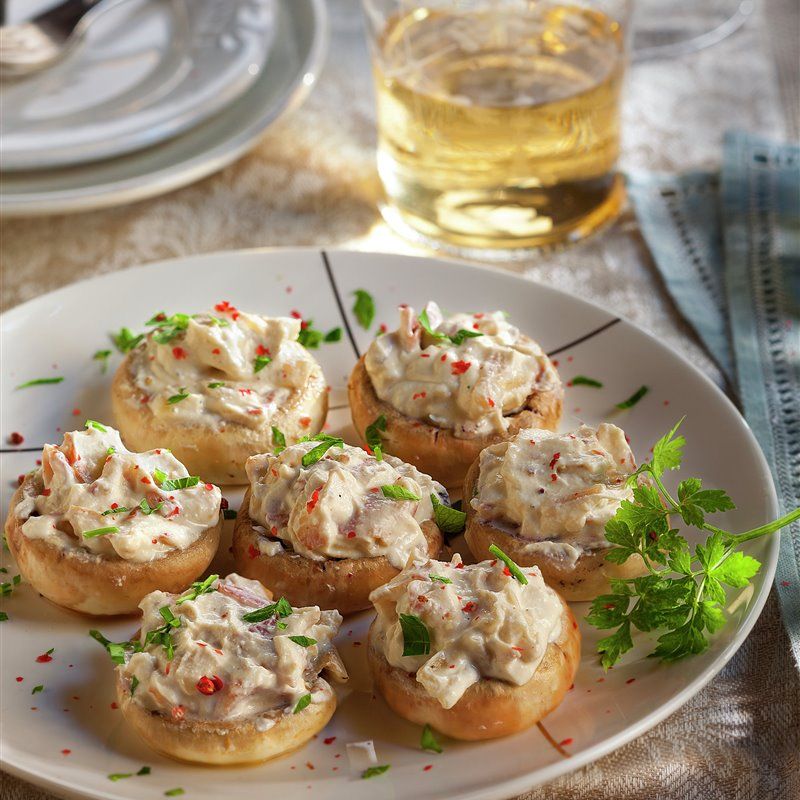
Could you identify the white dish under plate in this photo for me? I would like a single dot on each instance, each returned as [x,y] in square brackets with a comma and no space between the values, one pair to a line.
[146,71]
[298,33]
[69,737]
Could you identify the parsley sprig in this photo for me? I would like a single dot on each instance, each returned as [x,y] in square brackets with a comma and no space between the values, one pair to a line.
[683,594]
[457,338]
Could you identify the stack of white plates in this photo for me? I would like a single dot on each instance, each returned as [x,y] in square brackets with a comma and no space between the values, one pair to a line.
[159,94]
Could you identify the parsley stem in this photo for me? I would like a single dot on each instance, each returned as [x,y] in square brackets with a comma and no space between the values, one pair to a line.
[763,530]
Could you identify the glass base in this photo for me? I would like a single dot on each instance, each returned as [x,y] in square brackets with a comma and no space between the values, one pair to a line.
[421,232]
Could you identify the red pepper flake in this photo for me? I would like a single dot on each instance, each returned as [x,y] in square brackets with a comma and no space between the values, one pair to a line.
[460,566]
[666,402]
[356,644]
[518,649]
[262,351]
[16,438]
[305,422]
[46,492]
[569,359]
[630,680]
[427,767]
[179,353]
[460,367]
[115,505]
[76,412]
[506,572]
[252,551]
[565,742]
[424,355]
[311,504]
[553,477]
[444,357]
[470,606]
[351,534]
[216,351]
[208,685]
[475,326]
[490,402]
[20,480]
[173,513]
[254,412]
[44,657]
[114,706]
[145,398]
[329,740]
[145,479]
[555,362]
[245,391]
[223,503]
[295,314]
[209,486]
[574,624]
[554,459]
[785,584]
[224,306]
[178,712]
[419,395]
[273,530]
[382,328]
[20,679]
[65,752]
[309,765]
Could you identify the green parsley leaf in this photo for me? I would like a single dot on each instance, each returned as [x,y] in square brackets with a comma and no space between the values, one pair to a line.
[170,485]
[448,519]
[37,689]
[302,703]
[3,616]
[316,453]
[582,380]
[612,647]
[309,336]
[91,423]
[102,356]
[176,398]
[281,608]
[111,450]
[125,340]
[198,588]
[425,322]
[39,382]
[118,776]
[513,568]
[303,641]
[228,513]
[278,441]
[634,398]
[428,740]
[394,492]
[260,362]
[439,579]
[170,328]
[333,335]
[372,436]
[371,772]
[100,531]
[134,684]
[364,308]
[458,337]
[416,637]
[216,384]
[174,792]
[144,770]
[118,510]
[147,509]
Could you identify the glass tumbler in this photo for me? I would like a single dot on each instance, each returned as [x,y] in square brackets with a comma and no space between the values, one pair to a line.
[498,120]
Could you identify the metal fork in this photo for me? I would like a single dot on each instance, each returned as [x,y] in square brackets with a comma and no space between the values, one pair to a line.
[36,44]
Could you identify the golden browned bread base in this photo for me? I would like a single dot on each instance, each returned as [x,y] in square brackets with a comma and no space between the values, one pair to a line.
[436,451]
[223,743]
[93,584]
[341,583]
[489,708]
[218,452]
[587,578]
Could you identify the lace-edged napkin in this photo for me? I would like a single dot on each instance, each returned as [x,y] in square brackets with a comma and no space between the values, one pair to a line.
[728,249]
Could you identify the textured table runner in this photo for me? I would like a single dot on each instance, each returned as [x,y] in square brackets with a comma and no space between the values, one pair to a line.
[312,181]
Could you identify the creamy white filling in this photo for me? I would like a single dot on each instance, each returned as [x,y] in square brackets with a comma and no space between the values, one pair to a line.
[232,367]
[482,622]
[556,490]
[336,508]
[225,669]
[470,388]
[91,476]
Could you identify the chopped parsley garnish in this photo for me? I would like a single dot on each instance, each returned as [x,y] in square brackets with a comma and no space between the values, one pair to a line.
[302,703]
[394,492]
[228,513]
[260,362]
[116,650]
[364,308]
[278,441]
[100,531]
[311,338]
[163,635]
[3,616]
[513,568]
[316,453]
[303,641]
[118,776]
[37,689]
[439,579]
[282,608]
[169,485]
[126,340]
[333,335]
[416,637]
[371,772]
[428,740]
[168,328]
[176,398]
[198,588]
[102,356]
[634,398]
[372,435]
[457,338]
[111,450]
[91,423]
[147,509]
[683,595]
[144,770]
[118,510]
[174,792]
[39,382]
[582,380]
[216,384]
[134,684]
[448,519]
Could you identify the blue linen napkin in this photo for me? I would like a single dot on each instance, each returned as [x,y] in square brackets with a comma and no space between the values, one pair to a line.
[728,248]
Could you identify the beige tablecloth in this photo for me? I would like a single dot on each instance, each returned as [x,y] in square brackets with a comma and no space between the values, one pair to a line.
[311,181]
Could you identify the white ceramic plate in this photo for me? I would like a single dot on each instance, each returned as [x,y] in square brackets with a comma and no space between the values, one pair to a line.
[292,67]
[145,71]
[57,334]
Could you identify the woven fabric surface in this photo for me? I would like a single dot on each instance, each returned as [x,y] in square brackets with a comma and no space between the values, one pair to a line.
[311,181]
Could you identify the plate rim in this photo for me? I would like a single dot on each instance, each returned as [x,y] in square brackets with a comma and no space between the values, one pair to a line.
[512,786]
[211,160]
